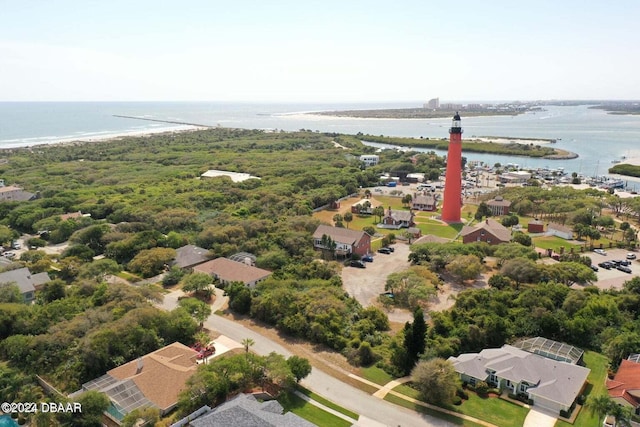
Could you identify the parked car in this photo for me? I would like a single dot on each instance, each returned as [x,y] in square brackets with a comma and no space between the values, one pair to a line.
[593,267]
[204,351]
[600,251]
[624,268]
[358,264]
[391,248]
[367,258]
[625,262]
[631,255]
[10,255]
[384,251]
[606,265]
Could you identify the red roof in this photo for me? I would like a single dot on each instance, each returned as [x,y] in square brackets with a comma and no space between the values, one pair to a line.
[627,380]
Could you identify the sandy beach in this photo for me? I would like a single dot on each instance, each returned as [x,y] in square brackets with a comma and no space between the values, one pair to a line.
[632,161]
[111,136]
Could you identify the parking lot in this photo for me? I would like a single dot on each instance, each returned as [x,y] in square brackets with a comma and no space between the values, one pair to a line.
[613,279]
[366,284]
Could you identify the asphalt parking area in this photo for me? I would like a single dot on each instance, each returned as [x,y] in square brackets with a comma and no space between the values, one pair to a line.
[366,284]
[613,279]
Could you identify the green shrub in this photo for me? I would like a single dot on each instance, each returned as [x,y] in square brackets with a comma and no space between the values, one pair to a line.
[482,388]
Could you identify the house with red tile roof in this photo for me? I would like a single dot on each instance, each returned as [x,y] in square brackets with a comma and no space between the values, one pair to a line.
[624,388]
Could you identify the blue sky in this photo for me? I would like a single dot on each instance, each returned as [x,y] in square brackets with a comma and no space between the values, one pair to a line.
[318,51]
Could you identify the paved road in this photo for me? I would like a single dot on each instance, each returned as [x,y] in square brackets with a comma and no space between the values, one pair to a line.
[356,400]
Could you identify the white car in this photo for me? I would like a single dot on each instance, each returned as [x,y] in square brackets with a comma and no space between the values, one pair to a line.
[10,255]
[631,255]
[600,251]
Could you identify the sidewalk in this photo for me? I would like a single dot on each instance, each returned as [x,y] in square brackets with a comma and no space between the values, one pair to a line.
[388,389]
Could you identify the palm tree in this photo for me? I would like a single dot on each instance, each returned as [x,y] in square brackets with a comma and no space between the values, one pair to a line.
[379,212]
[348,217]
[600,406]
[247,342]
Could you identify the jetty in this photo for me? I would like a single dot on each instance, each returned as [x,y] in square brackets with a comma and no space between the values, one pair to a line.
[175,122]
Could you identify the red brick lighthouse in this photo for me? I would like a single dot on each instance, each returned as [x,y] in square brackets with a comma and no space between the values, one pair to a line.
[453,178]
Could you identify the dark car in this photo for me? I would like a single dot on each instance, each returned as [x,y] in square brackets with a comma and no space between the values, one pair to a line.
[391,248]
[606,265]
[615,262]
[624,268]
[358,264]
[625,263]
[367,258]
[384,251]
[593,267]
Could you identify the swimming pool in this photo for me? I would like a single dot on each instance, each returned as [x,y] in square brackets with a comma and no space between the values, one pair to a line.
[7,421]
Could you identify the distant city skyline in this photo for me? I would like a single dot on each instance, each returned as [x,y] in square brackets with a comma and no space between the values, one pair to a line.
[328,51]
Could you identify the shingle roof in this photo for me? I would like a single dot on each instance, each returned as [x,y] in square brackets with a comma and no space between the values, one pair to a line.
[190,255]
[23,278]
[399,215]
[232,271]
[423,199]
[245,411]
[492,226]
[18,193]
[559,227]
[163,374]
[499,201]
[338,234]
[550,379]
[430,238]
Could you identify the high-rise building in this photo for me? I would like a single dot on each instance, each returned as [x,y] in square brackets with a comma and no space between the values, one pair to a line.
[433,104]
[452,203]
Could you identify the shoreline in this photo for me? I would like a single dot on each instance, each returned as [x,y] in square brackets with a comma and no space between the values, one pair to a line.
[106,137]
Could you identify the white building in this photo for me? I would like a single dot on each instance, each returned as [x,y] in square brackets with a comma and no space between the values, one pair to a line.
[370,159]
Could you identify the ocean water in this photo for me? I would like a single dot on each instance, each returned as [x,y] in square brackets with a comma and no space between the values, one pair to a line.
[597,137]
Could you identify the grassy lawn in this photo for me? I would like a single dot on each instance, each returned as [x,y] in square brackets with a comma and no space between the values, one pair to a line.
[439,229]
[328,403]
[493,409]
[554,242]
[311,413]
[410,405]
[375,375]
[598,364]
